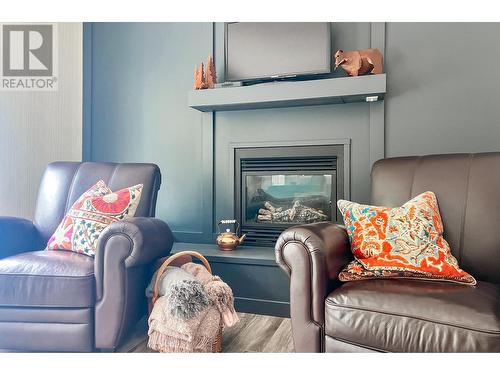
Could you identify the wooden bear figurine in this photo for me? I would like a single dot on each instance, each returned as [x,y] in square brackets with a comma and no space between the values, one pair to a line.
[359,62]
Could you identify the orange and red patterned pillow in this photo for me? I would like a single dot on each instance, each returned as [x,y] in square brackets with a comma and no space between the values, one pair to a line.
[401,242]
[97,208]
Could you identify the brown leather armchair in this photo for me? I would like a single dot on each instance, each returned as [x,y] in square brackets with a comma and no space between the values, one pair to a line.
[404,315]
[64,301]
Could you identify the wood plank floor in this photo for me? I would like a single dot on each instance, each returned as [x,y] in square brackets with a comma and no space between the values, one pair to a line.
[253,334]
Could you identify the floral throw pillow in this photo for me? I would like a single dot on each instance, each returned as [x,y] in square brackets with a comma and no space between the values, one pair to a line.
[401,242]
[80,229]
[61,239]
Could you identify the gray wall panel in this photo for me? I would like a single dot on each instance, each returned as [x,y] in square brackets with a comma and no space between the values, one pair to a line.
[38,127]
[443,88]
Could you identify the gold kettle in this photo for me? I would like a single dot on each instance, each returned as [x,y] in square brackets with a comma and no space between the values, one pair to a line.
[228,240]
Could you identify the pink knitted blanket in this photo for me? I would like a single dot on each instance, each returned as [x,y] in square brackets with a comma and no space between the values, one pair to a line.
[168,333]
[172,335]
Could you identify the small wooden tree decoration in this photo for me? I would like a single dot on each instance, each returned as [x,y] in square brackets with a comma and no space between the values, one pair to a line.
[205,79]
[199,78]
[211,76]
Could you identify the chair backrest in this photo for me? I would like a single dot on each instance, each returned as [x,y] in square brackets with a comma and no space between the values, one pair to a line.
[63,182]
[467,187]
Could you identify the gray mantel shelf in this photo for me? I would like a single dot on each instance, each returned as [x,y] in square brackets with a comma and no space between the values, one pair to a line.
[289,94]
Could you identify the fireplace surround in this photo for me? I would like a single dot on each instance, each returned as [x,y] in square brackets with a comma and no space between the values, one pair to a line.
[281,186]
[309,113]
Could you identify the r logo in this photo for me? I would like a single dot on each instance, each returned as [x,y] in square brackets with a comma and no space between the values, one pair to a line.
[27,50]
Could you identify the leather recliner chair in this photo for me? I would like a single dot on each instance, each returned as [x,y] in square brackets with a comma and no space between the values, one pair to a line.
[404,315]
[64,301]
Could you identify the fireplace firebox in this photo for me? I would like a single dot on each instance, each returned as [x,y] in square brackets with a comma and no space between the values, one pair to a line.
[278,187]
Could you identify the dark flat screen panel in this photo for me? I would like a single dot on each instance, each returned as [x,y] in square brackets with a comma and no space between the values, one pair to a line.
[275,49]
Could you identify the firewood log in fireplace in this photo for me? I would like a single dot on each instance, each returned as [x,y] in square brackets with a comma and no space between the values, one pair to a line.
[271,208]
[309,200]
[314,201]
[298,213]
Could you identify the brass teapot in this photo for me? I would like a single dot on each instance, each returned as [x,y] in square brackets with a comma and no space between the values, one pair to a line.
[228,240]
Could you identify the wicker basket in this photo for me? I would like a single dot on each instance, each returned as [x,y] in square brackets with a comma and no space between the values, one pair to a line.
[217,344]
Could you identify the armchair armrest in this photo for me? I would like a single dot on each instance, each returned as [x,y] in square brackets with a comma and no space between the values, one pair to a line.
[125,249]
[312,255]
[18,235]
[149,239]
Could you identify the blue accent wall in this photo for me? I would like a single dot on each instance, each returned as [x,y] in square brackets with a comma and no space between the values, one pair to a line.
[137,76]
[136,110]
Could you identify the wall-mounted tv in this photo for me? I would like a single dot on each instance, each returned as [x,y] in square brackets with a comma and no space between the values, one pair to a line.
[268,50]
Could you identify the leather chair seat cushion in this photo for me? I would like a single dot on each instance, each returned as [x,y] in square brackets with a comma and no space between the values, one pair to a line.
[47,279]
[415,316]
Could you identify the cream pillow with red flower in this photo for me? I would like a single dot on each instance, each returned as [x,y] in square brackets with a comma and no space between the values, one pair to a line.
[80,229]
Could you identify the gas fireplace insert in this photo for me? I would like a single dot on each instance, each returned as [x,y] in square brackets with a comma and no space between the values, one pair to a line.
[277,187]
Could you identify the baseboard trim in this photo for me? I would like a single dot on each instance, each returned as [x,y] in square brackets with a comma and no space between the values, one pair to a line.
[262,307]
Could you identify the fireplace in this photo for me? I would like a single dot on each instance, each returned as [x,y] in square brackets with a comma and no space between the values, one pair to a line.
[278,187]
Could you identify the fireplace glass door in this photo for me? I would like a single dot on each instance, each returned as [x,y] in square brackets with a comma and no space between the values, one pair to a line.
[287,198]
[277,187]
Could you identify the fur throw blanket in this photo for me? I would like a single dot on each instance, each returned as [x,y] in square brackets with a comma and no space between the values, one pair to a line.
[188,315]
[185,293]
[170,276]
[217,290]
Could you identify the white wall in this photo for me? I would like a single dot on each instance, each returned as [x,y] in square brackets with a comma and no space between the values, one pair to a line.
[37,128]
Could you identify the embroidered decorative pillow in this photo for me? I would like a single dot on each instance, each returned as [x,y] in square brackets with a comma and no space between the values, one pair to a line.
[80,229]
[61,239]
[403,242]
